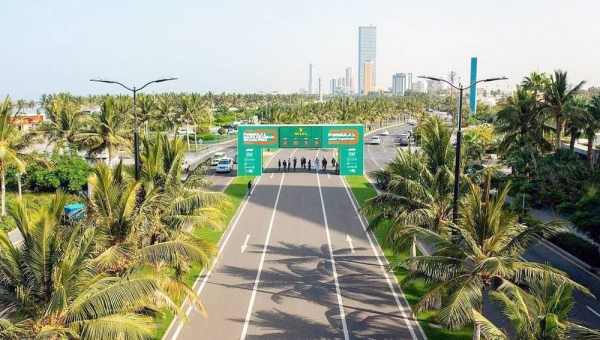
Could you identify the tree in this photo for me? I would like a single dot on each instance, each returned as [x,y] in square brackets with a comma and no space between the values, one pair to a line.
[452,78]
[538,311]
[12,142]
[592,125]
[53,288]
[558,100]
[483,255]
[108,133]
[420,188]
[65,123]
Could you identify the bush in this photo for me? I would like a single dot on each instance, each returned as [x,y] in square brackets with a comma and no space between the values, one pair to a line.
[586,217]
[578,247]
[207,136]
[68,172]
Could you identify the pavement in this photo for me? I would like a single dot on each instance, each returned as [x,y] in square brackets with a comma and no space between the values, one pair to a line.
[298,263]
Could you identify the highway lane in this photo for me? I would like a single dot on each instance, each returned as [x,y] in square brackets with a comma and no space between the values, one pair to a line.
[287,269]
[586,310]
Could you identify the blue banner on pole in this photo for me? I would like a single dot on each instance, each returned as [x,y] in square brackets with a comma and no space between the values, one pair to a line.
[473,93]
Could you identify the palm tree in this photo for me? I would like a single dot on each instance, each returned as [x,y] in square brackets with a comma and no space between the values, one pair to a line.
[109,132]
[65,123]
[591,127]
[52,287]
[539,312]
[557,100]
[520,123]
[452,78]
[420,189]
[577,119]
[483,255]
[12,142]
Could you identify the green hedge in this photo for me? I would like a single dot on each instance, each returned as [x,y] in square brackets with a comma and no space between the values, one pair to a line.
[578,247]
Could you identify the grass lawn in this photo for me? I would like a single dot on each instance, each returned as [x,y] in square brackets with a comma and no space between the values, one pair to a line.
[363,190]
[33,202]
[236,191]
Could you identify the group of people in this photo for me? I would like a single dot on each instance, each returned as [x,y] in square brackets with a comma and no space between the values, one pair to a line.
[305,163]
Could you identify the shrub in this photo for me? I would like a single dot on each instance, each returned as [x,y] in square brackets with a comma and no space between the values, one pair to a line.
[207,136]
[586,217]
[68,172]
[578,247]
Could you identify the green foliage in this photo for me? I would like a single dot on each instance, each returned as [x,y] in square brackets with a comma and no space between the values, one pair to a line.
[207,136]
[587,216]
[68,172]
[222,131]
[578,247]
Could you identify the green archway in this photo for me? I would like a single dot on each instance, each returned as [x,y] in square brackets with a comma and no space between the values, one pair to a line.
[348,138]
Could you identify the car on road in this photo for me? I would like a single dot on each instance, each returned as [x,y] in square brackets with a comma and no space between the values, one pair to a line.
[375,140]
[185,165]
[404,135]
[225,165]
[404,142]
[411,122]
[385,133]
[214,160]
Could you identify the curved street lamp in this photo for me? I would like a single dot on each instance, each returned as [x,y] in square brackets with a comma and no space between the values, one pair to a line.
[136,131]
[460,88]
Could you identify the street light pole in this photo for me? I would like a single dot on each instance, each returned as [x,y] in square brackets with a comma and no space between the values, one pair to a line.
[460,88]
[136,129]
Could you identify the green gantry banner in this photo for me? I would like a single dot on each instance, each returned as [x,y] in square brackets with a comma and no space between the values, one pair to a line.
[348,138]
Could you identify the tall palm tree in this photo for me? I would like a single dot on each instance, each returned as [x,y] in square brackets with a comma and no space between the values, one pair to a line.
[65,123]
[452,75]
[12,142]
[576,120]
[109,132]
[420,189]
[520,122]
[483,255]
[53,287]
[557,100]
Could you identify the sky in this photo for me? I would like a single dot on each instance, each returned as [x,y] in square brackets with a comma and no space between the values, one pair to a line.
[266,45]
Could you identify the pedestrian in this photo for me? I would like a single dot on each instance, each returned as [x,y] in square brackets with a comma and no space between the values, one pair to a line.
[317,164]
[284,165]
[289,163]
[333,162]
[295,160]
[324,163]
[279,164]
[250,188]
[309,165]
[302,160]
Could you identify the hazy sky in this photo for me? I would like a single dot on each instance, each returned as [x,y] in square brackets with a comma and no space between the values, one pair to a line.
[266,45]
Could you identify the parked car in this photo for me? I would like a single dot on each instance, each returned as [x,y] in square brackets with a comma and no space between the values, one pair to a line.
[385,133]
[216,157]
[225,165]
[375,140]
[185,131]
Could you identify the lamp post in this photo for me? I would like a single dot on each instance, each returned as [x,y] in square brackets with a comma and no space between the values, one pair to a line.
[460,88]
[136,130]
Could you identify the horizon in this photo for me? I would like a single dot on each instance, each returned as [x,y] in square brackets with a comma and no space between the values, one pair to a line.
[245,48]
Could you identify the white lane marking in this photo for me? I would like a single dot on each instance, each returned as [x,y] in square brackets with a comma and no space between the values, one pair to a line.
[262,262]
[328,176]
[383,269]
[271,175]
[245,245]
[593,311]
[212,266]
[335,275]
[545,244]
[377,164]
[349,240]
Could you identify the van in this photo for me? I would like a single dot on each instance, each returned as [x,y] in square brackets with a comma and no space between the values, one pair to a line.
[216,157]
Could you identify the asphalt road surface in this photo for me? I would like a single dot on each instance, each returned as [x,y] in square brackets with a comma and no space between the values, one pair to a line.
[297,263]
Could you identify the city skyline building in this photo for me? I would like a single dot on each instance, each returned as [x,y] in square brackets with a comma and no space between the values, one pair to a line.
[367,51]
[349,80]
[333,85]
[401,82]
[320,89]
[368,71]
[310,72]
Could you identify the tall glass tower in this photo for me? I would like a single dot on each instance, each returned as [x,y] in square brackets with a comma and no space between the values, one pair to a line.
[367,51]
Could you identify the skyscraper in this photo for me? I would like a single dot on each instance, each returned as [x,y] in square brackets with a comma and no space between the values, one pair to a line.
[310,69]
[349,80]
[401,82]
[368,85]
[367,51]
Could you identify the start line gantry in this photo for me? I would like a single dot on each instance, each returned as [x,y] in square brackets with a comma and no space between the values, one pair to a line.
[348,138]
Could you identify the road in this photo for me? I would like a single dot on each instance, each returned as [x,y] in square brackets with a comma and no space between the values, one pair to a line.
[297,263]
[586,310]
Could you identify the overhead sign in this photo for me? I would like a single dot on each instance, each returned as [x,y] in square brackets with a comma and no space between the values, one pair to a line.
[259,137]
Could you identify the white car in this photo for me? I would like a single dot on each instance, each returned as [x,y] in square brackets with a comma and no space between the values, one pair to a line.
[185,131]
[185,165]
[385,133]
[411,122]
[225,165]
[217,157]
[375,140]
